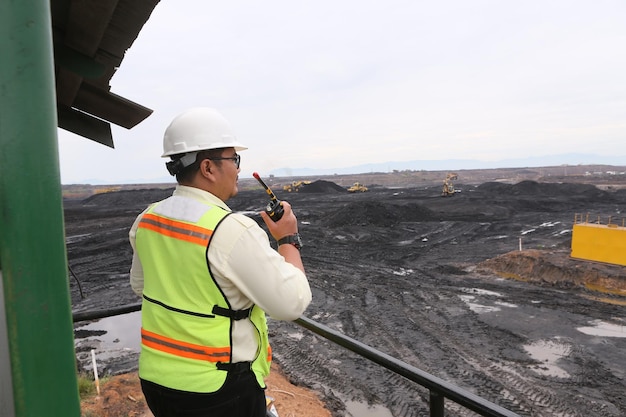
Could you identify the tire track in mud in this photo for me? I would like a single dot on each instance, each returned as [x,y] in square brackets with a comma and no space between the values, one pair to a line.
[468,365]
[364,376]
[400,395]
[458,359]
[99,258]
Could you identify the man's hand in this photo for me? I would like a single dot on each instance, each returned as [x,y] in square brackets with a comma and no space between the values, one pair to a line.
[287,225]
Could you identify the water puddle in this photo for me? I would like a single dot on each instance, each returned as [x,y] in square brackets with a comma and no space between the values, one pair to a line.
[480,291]
[505,304]
[117,332]
[604,329]
[498,237]
[357,409]
[296,335]
[471,302]
[549,224]
[475,307]
[548,352]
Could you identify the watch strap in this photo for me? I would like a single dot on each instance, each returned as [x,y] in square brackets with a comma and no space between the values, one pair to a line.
[294,240]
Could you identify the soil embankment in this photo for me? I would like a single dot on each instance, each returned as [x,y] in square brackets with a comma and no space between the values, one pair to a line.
[121,396]
[557,269]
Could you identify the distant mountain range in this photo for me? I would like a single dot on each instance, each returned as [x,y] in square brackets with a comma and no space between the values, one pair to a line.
[420,165]
[456,164]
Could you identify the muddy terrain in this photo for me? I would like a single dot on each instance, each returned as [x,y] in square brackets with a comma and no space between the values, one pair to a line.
[438,282]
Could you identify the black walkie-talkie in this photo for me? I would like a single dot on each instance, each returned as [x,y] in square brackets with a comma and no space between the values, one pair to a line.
[274,208]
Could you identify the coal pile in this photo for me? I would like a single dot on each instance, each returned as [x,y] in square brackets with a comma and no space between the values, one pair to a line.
[321,186]
[129,198]
[363,214]
[533,188]
[374,213]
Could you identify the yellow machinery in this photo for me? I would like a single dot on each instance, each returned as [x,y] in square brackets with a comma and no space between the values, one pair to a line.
[599,242]
[448,187]
[295,186]
[102,190]
[357,188]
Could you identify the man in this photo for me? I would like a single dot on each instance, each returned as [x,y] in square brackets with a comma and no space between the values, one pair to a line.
[207,277]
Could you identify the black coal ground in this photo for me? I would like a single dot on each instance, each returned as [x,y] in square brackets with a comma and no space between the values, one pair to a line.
[397,270]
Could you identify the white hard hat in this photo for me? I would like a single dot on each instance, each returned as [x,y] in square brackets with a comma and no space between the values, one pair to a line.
[199,129]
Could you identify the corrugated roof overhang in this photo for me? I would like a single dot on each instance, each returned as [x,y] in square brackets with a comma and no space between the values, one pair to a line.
[90,39]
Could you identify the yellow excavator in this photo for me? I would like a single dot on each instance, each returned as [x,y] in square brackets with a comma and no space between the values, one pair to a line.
[295,186]
[357,188]
[448,187]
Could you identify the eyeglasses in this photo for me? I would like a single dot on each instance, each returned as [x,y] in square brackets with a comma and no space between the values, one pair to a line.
[236,159]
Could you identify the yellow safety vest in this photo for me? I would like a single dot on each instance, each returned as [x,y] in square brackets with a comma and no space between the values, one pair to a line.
[186,319]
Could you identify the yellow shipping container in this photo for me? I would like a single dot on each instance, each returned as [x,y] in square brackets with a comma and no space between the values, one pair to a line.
[599,242]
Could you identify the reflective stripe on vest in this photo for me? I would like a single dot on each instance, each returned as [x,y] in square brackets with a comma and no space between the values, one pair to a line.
[184,349]
[177,230]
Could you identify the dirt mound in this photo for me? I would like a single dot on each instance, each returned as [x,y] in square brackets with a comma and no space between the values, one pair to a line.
[373,213]
[121,395]
[558,269]
[125,198]
[363,214]
[321,186]
[533,188]
[414,213]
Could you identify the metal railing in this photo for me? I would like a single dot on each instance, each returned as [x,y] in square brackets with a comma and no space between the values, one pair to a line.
[439,389]
[580,218]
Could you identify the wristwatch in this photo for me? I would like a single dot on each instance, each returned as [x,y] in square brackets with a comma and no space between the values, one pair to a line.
[292,240]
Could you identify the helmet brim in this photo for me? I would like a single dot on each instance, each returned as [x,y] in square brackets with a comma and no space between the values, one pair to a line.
[238,148]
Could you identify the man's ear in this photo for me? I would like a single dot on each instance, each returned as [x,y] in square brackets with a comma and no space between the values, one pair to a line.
[205,167]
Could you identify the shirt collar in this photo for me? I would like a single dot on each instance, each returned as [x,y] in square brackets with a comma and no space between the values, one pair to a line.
[200,195]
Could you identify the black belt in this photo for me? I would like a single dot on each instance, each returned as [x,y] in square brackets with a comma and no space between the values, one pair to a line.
[235,368]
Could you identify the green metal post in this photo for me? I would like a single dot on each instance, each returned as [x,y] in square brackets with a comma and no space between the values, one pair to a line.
[32,244]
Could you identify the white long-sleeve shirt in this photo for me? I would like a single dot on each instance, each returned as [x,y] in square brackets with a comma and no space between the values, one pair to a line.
[247,269]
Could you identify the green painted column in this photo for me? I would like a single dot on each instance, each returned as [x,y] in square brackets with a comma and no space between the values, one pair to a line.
[32,243]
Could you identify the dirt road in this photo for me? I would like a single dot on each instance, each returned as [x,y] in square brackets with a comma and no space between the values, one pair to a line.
[419,277]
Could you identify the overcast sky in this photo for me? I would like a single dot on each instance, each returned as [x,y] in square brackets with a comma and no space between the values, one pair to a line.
[330,84]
